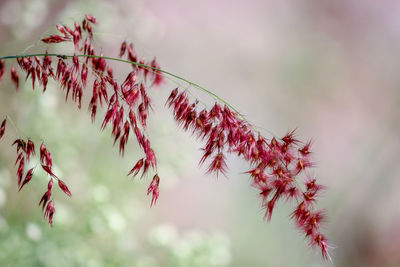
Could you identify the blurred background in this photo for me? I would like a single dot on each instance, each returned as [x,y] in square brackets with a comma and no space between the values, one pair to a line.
[329,68]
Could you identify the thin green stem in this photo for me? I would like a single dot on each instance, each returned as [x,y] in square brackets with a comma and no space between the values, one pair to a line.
[8,118]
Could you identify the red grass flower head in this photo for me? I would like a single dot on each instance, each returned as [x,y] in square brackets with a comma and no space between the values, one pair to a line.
[49,213]
[275,165]
[153,188]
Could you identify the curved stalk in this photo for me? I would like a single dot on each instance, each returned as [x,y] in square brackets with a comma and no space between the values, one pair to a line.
[139,65]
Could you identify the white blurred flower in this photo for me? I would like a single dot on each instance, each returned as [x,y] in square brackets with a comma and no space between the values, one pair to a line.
[33,231]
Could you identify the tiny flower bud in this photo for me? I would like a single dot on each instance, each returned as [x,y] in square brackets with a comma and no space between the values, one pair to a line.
[64,187]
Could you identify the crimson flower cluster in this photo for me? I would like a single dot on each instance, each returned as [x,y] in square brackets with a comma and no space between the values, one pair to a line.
[279,167]
[275,165]
[26,149]
[126,105]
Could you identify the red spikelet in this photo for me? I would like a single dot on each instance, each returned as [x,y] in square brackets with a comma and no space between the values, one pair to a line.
[44,80]
[122,49]
[158,78]
[84,74]
[139,135]
[89,30]
[91,18]
[3,128]
[135,170]
[265,191]
[54,39]
[151,157]
[28,177]
[49,213]
[45,156]
[49,171]
[43,152]
[21,144]
[20,171]
[320,240]
[290,138]
[15,78]
[218,164]
[46,197]
[2,66]
[132,55]
[269,208]
[132,118]
[110,115]
[305,150]
[172,96]
[75,61]
[69,30]
[30,150]
[146,167]
[124,138]
[153,188]
[20,155]
[93,105]
[64,187]
[142,114]
[60,28]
